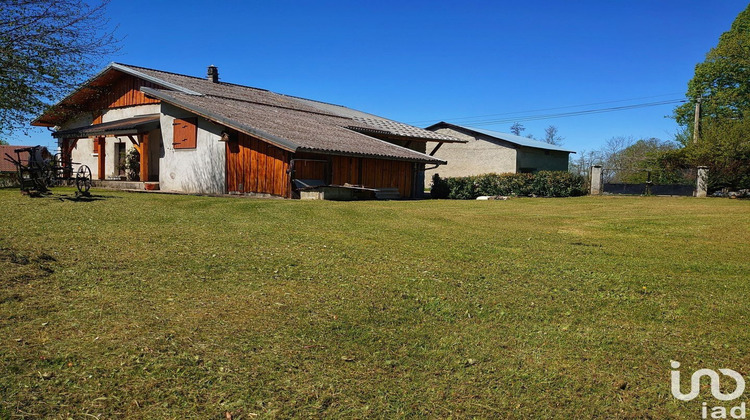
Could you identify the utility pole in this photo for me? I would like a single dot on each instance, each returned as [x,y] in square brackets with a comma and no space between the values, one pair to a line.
[697,123]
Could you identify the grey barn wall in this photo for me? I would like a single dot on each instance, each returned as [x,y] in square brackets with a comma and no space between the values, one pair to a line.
[484,154]
[479,156]
[542,160]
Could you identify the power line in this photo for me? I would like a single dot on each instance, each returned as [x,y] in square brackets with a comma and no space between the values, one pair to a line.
[574,113]
[460,119]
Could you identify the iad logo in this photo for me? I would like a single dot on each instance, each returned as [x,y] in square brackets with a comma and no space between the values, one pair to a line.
[695,383]
[718,412]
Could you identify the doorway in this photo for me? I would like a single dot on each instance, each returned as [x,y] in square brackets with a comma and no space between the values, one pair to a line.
[120,159]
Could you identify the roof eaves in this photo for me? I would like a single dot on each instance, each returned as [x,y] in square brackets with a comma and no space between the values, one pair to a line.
[421,157]
[404,137]
[133,125]
[501,136]
[278,141]
[68,96]
[431,159]
[123,68]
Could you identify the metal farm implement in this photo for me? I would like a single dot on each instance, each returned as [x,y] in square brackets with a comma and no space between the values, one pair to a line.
[38,170]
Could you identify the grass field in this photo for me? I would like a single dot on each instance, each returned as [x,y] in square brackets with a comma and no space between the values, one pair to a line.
[164,306]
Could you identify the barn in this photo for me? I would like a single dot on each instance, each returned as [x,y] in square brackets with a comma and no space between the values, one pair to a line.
[201,135]
[485,151]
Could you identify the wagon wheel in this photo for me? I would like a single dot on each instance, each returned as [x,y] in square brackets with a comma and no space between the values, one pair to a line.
[45,175]
[41,177]
[83,179]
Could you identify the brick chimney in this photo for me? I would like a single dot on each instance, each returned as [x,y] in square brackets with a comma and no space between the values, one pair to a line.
[213,74]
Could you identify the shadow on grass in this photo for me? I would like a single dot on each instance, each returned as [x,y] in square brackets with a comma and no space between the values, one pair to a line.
[80,198]
[76,197]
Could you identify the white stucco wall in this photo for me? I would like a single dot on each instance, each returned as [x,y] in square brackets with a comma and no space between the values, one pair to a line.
[199,170]
[83,153]
[84,149]
[478,156]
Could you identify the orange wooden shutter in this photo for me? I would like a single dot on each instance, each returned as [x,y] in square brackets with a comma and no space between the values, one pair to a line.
[185,133]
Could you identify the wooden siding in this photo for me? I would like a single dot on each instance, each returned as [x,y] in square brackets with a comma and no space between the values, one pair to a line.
[310,169]
[258,167]
[368,172]
[125,91]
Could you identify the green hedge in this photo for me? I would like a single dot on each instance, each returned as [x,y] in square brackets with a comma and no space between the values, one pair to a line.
[542,184]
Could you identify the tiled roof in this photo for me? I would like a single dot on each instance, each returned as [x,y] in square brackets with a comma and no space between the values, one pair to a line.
[289,122]
[511,138]
[261,96]
[294,130]
[379,123]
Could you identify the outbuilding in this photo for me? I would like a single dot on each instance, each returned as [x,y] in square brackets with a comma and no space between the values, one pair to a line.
[485,151]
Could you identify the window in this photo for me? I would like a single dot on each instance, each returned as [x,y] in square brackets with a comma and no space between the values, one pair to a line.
[185,133]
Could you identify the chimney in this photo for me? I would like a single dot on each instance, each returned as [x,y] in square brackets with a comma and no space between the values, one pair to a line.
[213,74]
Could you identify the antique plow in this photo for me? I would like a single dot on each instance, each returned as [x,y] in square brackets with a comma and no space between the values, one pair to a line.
[37,170]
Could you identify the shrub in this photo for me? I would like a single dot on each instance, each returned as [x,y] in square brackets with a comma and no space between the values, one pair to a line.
[461,188]
[133,165]
[544,184]
[439,187]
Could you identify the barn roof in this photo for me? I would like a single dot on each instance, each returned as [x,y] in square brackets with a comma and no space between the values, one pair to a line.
[292,123]
[290,129]
[510,138]
[5,165]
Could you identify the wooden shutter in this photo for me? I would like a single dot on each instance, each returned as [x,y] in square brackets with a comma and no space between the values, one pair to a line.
[185,132]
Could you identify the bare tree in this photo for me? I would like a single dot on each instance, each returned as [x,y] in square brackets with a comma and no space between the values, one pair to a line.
[47,47]
[516,128]
[584,160]
[552,136]
[611,152]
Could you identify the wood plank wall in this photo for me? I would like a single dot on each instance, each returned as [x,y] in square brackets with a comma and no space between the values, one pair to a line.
[256,166]
[368,172]
[125,92]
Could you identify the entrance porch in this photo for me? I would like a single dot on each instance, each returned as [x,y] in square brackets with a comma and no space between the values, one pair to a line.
[110,143]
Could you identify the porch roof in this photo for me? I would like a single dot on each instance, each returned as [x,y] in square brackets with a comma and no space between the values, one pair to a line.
[127,126]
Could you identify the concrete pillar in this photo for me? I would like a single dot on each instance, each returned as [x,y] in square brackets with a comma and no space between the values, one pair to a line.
[596,180]
[701,185]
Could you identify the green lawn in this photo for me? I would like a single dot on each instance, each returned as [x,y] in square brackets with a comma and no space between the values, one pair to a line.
[165,306]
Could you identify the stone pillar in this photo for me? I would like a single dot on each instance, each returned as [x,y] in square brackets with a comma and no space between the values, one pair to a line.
[701,185]
[596,180]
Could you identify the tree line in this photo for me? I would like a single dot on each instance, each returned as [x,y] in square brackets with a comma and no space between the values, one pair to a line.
[719,141]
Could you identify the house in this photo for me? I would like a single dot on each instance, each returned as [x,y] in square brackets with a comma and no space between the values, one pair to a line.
[201,135]
[486,151]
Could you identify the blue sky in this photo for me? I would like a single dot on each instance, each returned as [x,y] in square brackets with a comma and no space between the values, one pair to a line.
[424,61]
